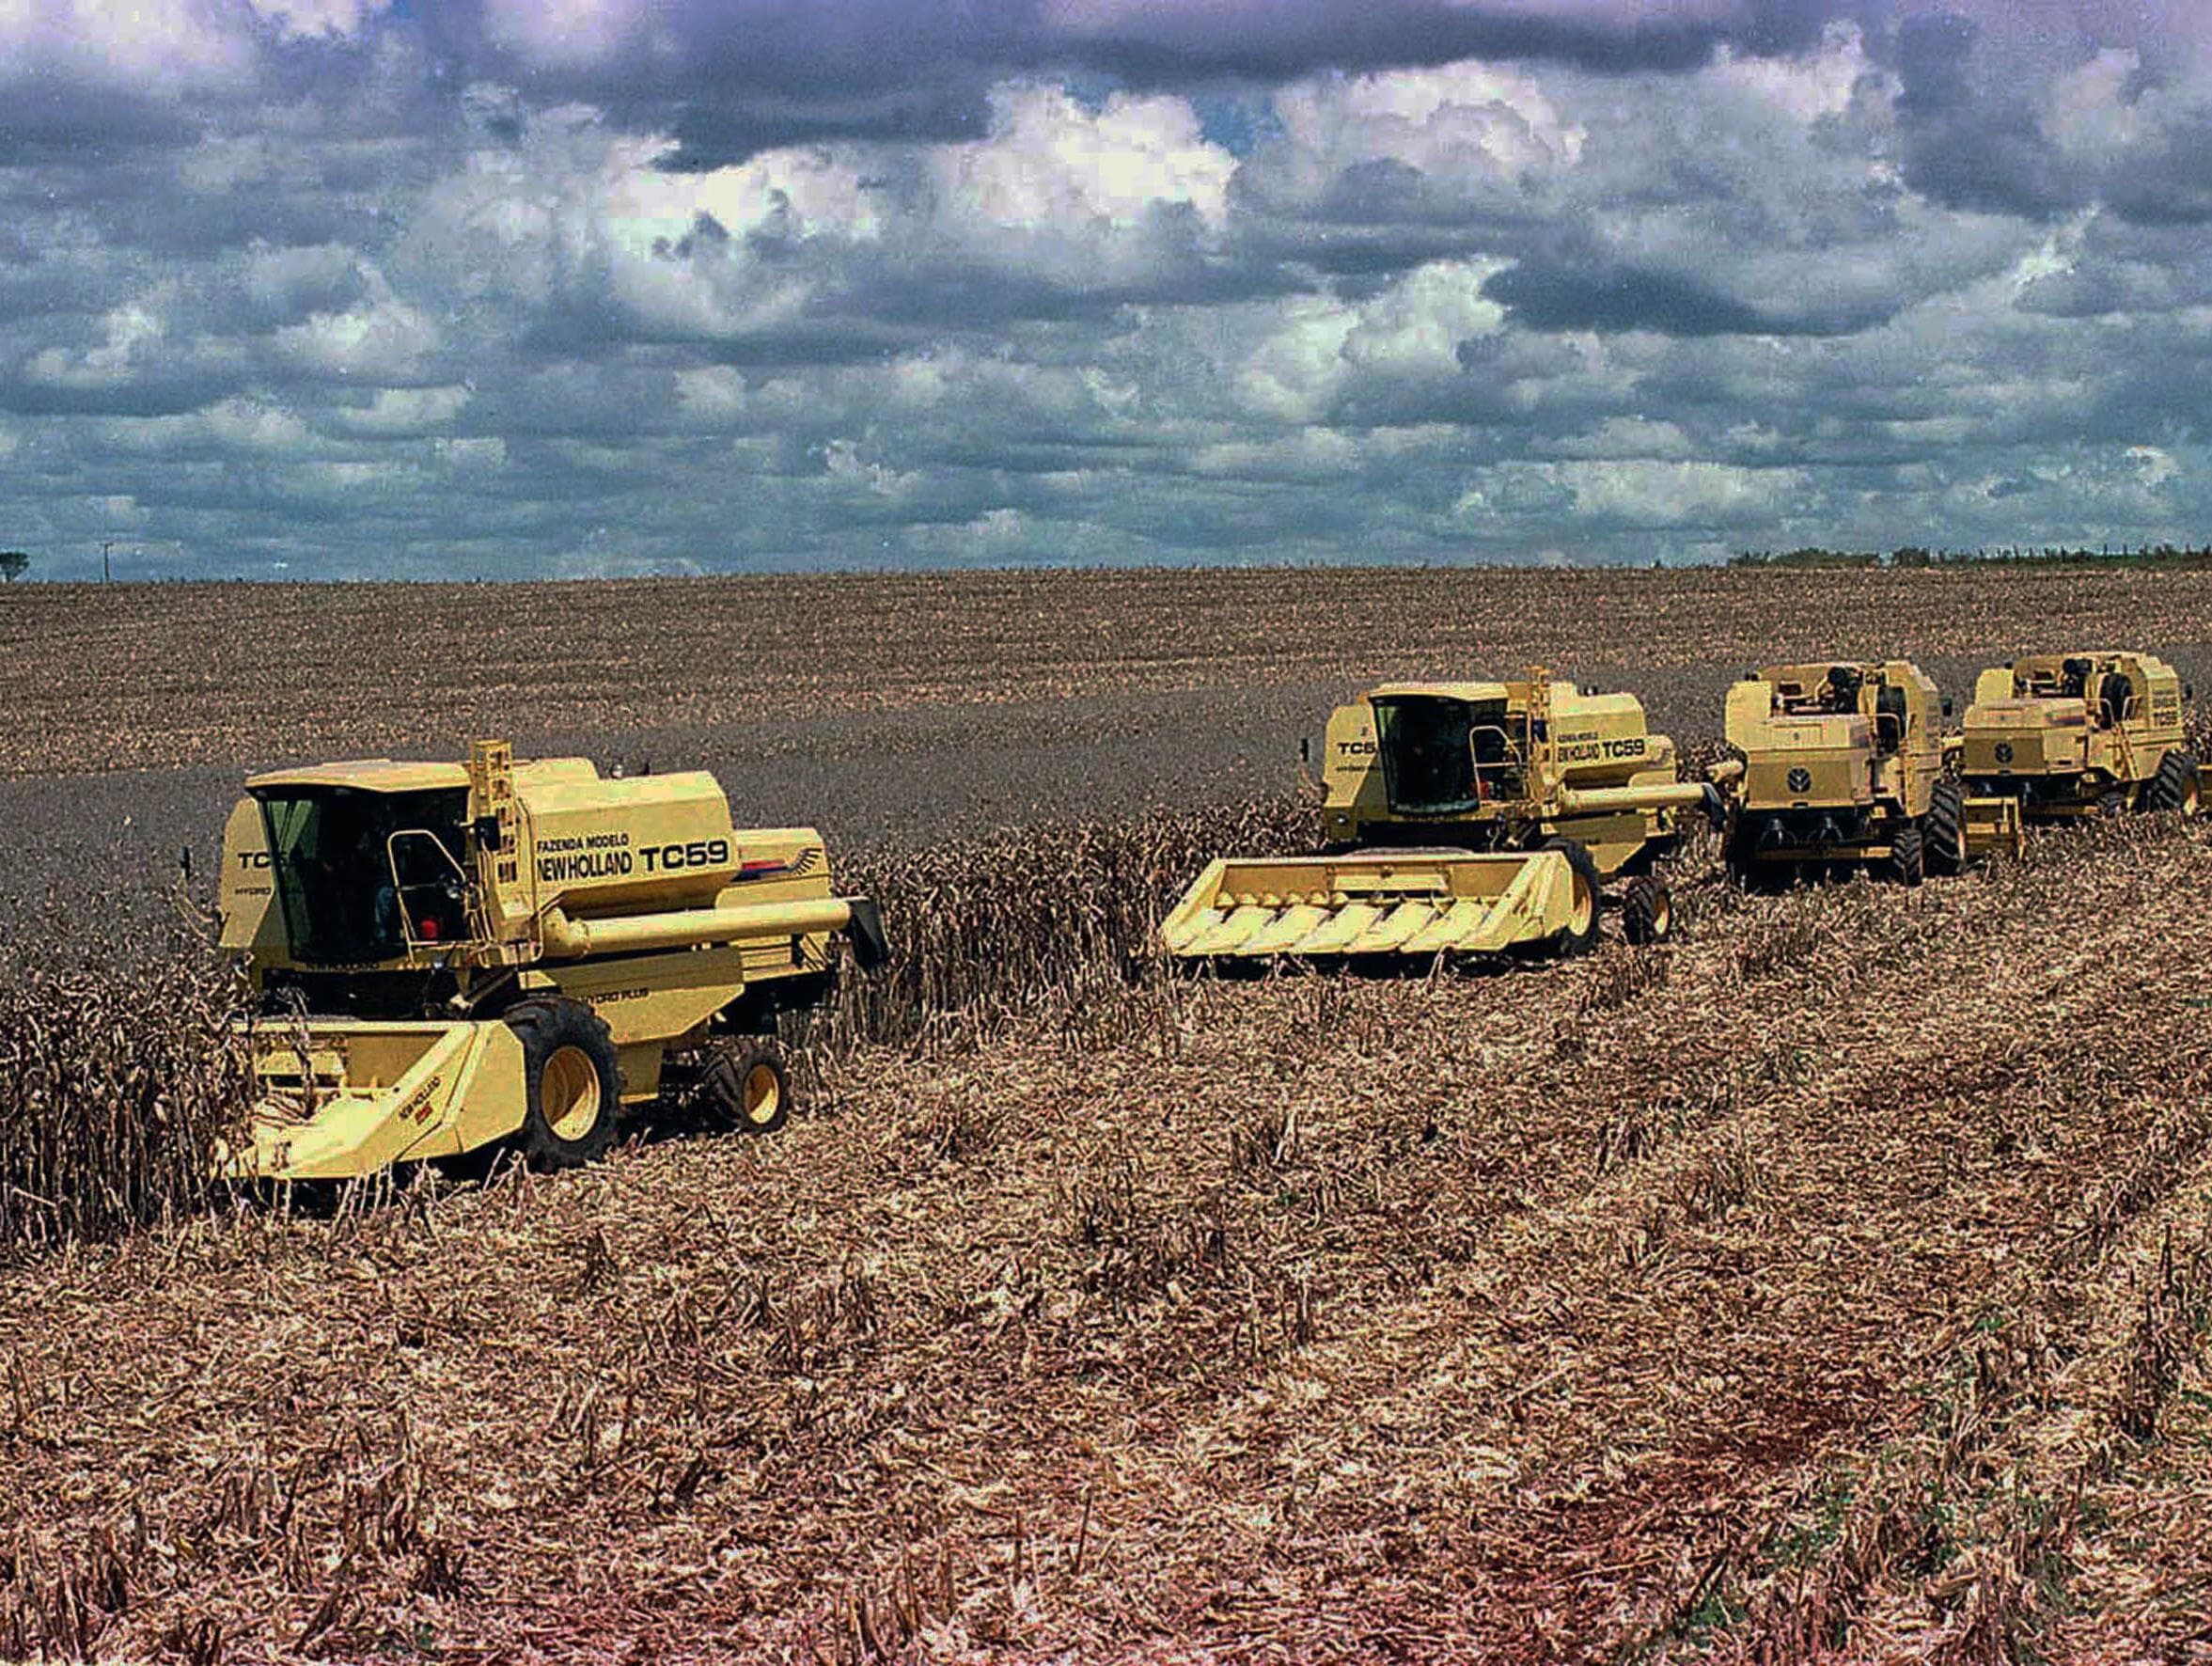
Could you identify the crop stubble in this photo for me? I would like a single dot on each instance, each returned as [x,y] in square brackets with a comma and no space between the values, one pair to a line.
[1833,1281]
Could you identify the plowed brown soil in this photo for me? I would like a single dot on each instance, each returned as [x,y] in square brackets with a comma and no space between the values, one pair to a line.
[149,676]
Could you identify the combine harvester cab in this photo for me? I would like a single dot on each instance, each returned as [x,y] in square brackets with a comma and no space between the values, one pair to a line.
[1469,819]
[1844,765]
[451,956]
[2061,736]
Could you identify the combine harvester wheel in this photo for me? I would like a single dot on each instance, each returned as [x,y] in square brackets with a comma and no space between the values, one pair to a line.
[745,1086]
[572,1081]
[1945,838]
[1647,911]
[2177,786]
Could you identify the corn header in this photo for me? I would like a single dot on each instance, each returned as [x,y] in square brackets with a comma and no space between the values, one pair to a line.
[1461,819]
[450,956]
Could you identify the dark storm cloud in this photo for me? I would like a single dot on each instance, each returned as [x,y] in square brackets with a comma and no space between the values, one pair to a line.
[1283,40]
[2168,183]
[730,80]
[144,397]
[52,121]
[1963,149]
[1622,298]
[1977,96]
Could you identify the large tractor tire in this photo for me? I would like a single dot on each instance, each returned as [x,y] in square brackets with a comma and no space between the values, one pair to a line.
[2174,786]
[1946,845]
[1908,855]
[574,1084]
[1580,937]
[746,1087]
[1647,911]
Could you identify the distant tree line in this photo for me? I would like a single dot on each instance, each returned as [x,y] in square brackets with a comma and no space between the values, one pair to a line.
[13,564]
[1911,554]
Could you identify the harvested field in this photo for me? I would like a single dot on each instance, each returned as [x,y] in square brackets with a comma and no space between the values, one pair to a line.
[904,710]
[166,677]
[1834,1284]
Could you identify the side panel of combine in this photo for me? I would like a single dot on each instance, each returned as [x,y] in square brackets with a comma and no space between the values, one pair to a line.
[245,894]
[1913,752]
[2020,738]
[1613,840]
[1351,774]
[1399,902]
[1602,740]
[1812,763]
[603,847]
[1603,746]
[649,1000]
[1744,715]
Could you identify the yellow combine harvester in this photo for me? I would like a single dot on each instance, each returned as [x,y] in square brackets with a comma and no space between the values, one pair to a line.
[1461,819]
[1844,765]
[2067,735]
[511,952]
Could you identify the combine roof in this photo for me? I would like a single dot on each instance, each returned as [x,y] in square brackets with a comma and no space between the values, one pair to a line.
[368,775]
[1466,691]
[405,775]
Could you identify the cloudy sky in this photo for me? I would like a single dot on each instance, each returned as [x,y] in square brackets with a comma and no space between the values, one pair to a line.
[491,288]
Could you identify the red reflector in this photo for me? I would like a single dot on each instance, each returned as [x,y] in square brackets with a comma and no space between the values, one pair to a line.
[430,930]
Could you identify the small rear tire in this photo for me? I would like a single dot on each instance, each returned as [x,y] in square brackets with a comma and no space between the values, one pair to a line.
[571,1080]
[1647,911]
[745,1086]
[1908,855]
[2174,786]
[1580,934]
[1946,847]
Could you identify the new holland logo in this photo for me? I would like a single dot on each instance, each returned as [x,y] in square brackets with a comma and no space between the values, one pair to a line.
[1800,780]
[2004,752]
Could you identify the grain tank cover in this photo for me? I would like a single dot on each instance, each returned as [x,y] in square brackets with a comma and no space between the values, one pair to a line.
[1601,738]
[599,845]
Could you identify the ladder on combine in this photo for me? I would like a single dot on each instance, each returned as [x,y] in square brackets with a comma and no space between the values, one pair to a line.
[508,885]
